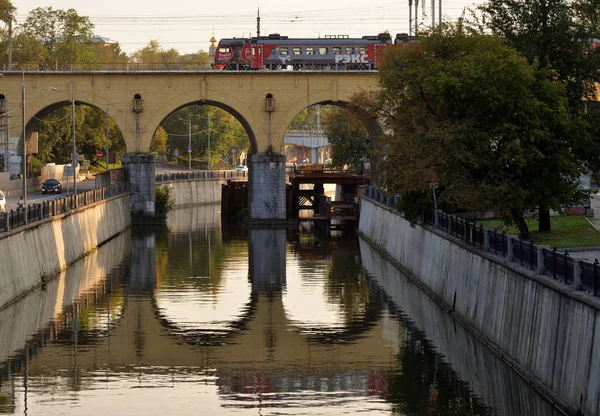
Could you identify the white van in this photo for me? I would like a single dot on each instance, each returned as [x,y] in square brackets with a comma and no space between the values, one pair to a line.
[2,202]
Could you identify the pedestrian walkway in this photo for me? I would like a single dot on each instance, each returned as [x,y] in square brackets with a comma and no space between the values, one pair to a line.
[590,253]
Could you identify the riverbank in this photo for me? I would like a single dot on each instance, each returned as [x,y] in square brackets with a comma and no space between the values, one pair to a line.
[544,329]
[32,254]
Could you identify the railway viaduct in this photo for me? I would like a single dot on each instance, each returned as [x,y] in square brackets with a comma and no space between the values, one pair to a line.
[265,102]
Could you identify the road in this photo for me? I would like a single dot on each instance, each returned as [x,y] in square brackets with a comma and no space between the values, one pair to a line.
[38,197]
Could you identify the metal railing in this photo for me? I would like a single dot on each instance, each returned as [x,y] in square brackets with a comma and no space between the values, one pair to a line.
[174,67]
[200,174]
[37,212]
[559,265]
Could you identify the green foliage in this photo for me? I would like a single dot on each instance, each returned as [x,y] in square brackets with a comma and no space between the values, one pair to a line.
[65,35]
[56,135]
[228,138]
[470,113]
[36,166]
[307,119]
[349,139]
[159,142]
[153,55]
[553,33]
[7,10]
[162,201]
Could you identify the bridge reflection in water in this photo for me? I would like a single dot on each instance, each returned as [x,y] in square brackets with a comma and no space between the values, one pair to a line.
[196,319]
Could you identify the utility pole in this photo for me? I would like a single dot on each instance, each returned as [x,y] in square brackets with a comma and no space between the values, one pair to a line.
[258,24]
[410,4]
[10,46]
[417,17]
[432,14]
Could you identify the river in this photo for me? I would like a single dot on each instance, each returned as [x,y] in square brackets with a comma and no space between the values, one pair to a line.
[201,318]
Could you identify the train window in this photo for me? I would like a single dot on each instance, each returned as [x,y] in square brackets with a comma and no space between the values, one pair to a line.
[322,51]
[224,49]
[362,50]
[283,51]
[349,50]
[297,51]
[336,50]
[310,51]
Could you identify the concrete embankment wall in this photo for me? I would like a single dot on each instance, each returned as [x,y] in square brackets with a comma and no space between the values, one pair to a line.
[195,192]
[544,329]
[35,311]
[491,379]
[47,247]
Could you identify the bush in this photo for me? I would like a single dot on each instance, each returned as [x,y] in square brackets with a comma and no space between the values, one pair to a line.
[162,201]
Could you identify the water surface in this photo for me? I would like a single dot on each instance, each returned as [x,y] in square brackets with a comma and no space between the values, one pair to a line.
[198,318]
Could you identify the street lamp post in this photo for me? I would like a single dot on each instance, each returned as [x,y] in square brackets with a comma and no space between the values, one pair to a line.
[74,154]
[189,120]
[208,117]
[106,135]
[24,146]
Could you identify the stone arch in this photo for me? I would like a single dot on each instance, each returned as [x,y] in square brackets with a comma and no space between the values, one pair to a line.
[45,107]
[322,97]
[372,125]
[227,103]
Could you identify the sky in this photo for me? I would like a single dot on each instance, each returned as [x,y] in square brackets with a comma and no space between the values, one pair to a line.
[188,25]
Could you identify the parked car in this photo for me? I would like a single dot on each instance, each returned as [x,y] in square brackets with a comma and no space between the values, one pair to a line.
[2,202]
[241,168]
[51,185]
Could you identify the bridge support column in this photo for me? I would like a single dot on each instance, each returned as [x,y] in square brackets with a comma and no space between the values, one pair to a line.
[266,247]
[266,197]
[139,172]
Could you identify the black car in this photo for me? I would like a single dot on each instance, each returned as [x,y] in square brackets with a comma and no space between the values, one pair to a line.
[51,185]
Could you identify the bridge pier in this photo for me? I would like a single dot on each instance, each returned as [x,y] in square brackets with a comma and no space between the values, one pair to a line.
[266,181]
[139,173]
[267,254]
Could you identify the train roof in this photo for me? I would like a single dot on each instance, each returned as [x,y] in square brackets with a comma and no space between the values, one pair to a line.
[276,39]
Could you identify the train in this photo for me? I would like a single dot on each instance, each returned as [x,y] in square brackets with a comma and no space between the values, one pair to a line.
[337,52]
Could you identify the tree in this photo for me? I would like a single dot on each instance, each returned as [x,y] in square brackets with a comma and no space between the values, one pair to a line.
[555,34]
[159,142]
[470,113]
[66,36]
[56,134]
[349,139]
[7,11]
[153,55]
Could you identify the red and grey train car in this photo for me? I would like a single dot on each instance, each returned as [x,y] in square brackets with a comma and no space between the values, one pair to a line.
[281,52]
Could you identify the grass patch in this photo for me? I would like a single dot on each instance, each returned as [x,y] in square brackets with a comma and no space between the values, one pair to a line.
[567,231]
